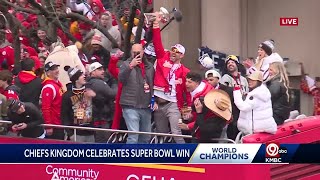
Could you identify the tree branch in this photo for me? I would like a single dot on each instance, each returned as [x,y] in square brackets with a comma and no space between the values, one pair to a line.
[127,43]
[40,8]
[141,21]
[65,30]
[91,23]
[19,8]
[115,8]
[52,28]
[14,25]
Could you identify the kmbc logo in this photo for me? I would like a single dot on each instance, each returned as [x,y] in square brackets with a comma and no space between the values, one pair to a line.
[273,152]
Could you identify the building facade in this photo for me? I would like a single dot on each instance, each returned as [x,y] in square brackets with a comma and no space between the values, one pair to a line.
[238,26]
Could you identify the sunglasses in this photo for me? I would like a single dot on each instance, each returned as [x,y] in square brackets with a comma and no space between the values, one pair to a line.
[175,50]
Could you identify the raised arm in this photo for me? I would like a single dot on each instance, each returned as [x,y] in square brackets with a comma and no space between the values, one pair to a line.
[157,41]
[112,67]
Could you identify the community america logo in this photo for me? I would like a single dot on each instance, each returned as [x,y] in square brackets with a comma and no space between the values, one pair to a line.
[59,173]
[274,152]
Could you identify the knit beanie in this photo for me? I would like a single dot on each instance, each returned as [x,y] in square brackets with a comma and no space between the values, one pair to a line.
[74,73]
[267,46]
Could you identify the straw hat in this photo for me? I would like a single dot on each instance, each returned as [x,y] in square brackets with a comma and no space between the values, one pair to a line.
[219,102]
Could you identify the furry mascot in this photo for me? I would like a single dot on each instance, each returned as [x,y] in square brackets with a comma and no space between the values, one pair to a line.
[65,56]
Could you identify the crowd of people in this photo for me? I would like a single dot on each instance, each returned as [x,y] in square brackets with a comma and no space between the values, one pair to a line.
[87,84]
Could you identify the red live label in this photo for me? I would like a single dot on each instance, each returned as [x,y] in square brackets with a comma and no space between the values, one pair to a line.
[289,21]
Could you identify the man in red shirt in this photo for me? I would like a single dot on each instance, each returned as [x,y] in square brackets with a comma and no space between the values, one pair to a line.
[10,91]
[51,96]
[6,55]
[169,85]
[205,124]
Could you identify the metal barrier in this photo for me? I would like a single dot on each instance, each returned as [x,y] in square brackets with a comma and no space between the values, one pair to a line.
[116,131]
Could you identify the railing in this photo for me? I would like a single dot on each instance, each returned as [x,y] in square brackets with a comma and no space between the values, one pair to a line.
[75,128]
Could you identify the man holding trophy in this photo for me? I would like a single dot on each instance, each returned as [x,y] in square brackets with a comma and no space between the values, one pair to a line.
[169,82]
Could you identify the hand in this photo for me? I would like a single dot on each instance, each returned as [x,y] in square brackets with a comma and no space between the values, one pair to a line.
[157,17]
[14,128]
[183,126]
[68,10]
[155,106]
[119,53]
[89,93]
[187,116]
[20,126]
[248,64]
[198,105]
[136,61]
[49,132]
[72,138]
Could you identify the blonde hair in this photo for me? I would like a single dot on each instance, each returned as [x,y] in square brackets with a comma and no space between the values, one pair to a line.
[280,71]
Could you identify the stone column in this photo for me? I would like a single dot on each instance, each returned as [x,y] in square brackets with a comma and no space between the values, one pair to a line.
[220,27]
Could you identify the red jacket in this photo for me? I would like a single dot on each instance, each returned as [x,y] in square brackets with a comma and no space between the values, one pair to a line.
[31,51]
[315,92]
[6,54]
[26,19]
[51,97]
[37,62]
[24,40]
[12,92]
[206,89]
[64,38]
[114,71]
[162,71]
[102,10]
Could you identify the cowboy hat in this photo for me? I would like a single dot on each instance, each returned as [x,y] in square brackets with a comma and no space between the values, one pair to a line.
[256,76]
[219,102]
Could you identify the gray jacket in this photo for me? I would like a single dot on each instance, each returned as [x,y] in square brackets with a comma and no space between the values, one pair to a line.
[133,93]
[102,102]
[228,80]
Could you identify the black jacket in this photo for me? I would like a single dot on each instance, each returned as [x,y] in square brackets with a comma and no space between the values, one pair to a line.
[279,98]
[209,126]
[105,96]
[32,117]
[30,86]
[16,90]
[104,57]
[235,110]
[70,103]
[232,130]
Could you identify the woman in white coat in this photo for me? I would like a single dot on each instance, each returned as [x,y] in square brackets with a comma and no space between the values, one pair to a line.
[256,110]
